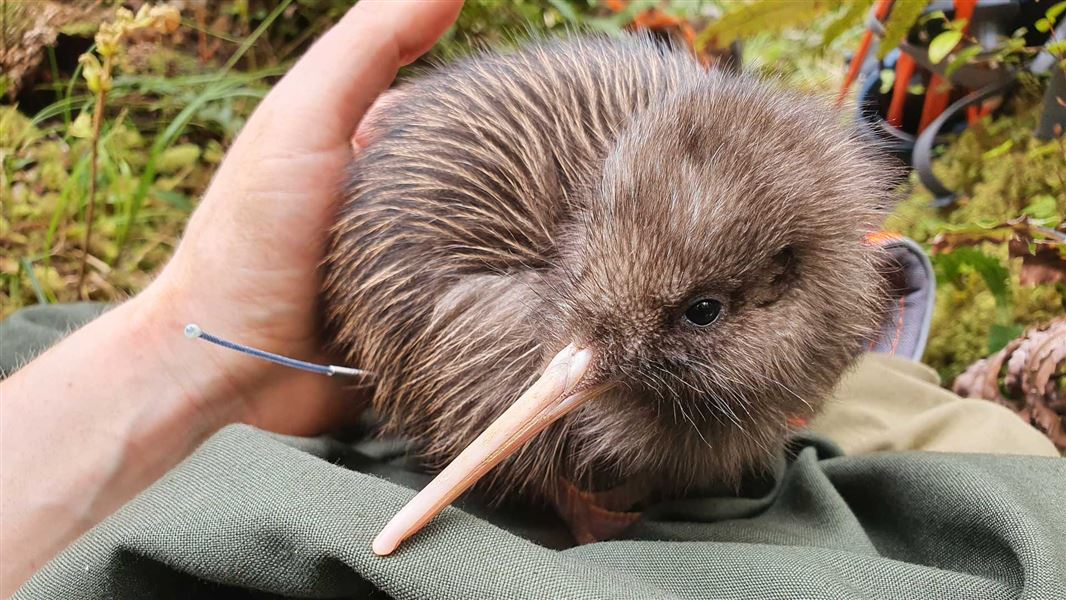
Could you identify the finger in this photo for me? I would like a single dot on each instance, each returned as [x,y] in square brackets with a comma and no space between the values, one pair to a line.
[342,73]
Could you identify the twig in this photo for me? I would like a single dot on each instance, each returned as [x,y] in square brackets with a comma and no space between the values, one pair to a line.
[1058,168]
[98,121]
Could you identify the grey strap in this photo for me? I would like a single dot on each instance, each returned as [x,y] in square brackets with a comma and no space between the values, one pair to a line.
[923,147]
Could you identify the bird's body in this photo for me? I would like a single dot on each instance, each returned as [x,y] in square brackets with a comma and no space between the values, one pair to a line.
[616,194]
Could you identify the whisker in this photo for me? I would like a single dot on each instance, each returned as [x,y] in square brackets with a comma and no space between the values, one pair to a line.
[693,423]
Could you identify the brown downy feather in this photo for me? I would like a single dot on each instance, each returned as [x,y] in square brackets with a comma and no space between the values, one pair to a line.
[591,189]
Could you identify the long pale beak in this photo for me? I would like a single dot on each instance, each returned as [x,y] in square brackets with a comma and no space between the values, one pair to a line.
[546,401]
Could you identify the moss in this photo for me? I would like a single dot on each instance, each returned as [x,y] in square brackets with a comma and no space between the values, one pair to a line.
[45,192]
[999,167]
[966,311]
[915,215]
[1001,173]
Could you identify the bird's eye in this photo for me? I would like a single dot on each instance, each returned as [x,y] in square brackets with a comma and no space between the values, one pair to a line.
[703,312]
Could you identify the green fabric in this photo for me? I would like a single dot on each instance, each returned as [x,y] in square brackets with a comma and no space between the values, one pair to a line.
[294,518]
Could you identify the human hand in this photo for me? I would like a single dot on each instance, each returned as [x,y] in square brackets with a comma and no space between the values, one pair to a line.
[101,415]
[246,268]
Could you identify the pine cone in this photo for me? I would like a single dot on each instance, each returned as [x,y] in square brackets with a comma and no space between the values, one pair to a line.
[1030,383]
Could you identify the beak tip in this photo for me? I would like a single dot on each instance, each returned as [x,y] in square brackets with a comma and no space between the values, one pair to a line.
[547,400]
[383,546]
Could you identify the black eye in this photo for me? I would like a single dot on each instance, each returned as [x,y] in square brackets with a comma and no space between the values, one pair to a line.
[703,312]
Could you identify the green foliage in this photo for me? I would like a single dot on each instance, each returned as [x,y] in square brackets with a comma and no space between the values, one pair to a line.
[854,16]
[799,56]
[1002,172]
[962,58]
[966,320]
[999,335]
[1044,208]
[751,18]
[904,15]
[169,117]
[951,266]
[943,44]
[952,270]
[999,169]
[1054,11]
[1050,17]
[45,185]
[490,23]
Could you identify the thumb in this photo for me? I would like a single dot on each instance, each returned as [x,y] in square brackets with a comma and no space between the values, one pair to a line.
[342,73]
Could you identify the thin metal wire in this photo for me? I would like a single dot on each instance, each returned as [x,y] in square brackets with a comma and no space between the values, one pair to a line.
[194,331]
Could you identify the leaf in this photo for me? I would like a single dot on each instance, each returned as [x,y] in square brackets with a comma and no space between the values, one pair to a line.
[904,15]
[42,296]
[888,78]
[958,24]
[82,127]
[853,16]
[933,15]
[762,17]
[1053,13]
[254,37]
[175,199]
[1042,207]
[1012,46]
[566,10]
[59,107]
[943,44]
[999,150]
[962,58]
[1043,25]
[996,277]
[1001,335]
[950,266]
[163,140]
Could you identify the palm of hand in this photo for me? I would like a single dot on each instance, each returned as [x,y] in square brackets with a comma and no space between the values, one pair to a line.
[247,267]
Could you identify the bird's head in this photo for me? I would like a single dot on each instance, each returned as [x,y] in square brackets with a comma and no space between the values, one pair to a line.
[719,262]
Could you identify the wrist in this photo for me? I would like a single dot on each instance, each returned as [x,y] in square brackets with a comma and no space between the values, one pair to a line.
[210,385]
[220,386]
[96,419]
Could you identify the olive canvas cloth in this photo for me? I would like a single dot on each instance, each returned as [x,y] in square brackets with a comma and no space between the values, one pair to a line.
[255,515]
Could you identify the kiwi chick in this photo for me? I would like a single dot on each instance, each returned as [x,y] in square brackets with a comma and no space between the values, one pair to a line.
[701,231]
